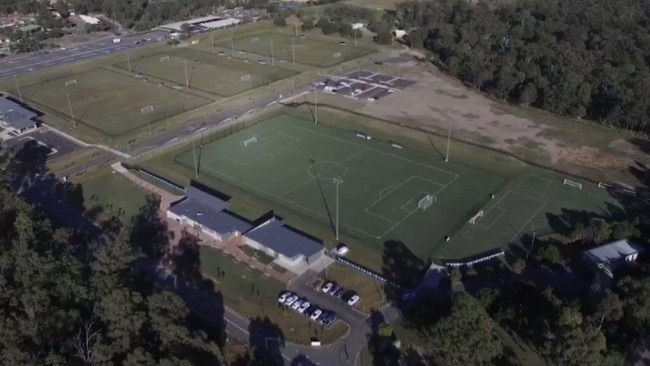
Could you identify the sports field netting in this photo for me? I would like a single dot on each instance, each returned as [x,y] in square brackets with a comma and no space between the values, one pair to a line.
[110,102]
[219,75]
[293,162]
[308,50]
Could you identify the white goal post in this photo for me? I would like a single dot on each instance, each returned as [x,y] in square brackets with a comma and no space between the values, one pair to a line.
[71,82]
[249,141]
[572,183]
[336,55]
[472,220]
[164,58]
[605,185]
[425,202]
[255,39]
[146,109]
[246,77]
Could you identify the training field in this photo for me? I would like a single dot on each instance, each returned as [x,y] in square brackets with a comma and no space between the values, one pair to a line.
[308,50]
[219,75]
[109,102]
[295,164]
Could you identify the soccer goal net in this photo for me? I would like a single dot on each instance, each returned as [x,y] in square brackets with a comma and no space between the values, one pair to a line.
[71,82]
[164,58]
[246,77]
[255,39]
[425,202]
[336,55]
[572,183]
[473,219]
[146,109]
[247,142]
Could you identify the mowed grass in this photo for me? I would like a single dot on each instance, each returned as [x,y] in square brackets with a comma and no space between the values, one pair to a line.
[109,102]
[111,193]
[251,294]
[310,50]
[219,75]
[291,166]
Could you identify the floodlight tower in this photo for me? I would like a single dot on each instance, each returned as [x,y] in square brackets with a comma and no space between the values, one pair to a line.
[272,58]
[18,88]
[315,105]
[448,141]
[187,79]
[337,182]
[74,125]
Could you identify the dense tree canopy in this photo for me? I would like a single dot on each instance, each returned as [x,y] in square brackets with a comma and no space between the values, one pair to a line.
[66,302]
[583,59]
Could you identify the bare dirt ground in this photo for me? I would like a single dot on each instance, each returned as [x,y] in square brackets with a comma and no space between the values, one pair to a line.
[437,101]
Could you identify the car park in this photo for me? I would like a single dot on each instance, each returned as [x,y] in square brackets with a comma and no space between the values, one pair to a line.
[340,292]
[334,289]
[304,306]
[291,300]
[327,287]
[353,300]
[296,304]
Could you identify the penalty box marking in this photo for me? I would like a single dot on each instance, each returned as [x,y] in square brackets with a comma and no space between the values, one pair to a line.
[369,208]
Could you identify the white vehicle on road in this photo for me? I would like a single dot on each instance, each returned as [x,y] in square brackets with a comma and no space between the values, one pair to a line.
[354,300]
[304,307]
[327,287]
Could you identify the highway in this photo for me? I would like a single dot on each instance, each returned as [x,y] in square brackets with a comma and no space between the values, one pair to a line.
[22,64]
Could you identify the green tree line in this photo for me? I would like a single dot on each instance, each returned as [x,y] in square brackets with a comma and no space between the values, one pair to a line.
[582,59]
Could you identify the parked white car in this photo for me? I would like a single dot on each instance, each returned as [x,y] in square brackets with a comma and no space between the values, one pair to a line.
[316,314]
[291,300]
[327,287]
[342,250]
[296,304]
[304,307]
[353,300]
[284,296]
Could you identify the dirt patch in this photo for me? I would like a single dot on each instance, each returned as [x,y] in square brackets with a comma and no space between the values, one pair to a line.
[437,101]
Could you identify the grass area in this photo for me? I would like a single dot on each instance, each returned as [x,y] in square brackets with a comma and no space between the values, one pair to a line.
[253,295]
[257,254]
[370,291]
[109,102]
[73,158]
[219,75]
[382,185]
[111,193]
[374,4]
[308,49]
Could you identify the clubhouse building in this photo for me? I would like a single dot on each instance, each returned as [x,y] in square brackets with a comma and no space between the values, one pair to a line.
[202,211]
[16,118]
[610,257]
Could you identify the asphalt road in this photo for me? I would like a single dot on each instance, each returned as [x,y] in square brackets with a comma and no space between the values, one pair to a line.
[22,64]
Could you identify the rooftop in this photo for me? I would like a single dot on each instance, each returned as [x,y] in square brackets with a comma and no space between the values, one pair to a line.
[217,220]
[30,28]
[196,21]
[274,234]
[611,252]
[15,115]
[206,199]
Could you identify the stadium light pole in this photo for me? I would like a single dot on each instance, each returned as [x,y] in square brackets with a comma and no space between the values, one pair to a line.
[293,50]
[272,58]
[212,42]
[355,37]
[196,166]
[315,105]
[448,141]
[338,182]
[187,79]
[128,61]
[232,40]
[74,124]
[20,95]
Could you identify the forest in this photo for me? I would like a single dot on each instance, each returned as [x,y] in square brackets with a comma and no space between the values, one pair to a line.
[581,59]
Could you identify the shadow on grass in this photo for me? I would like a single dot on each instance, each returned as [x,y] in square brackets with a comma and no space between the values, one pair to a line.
[267,340]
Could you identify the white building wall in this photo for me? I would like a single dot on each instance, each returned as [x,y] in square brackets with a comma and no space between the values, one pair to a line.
[289,263]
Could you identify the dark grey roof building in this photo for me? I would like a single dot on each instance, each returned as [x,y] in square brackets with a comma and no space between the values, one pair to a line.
[290,247]
[208,213]
[13,115]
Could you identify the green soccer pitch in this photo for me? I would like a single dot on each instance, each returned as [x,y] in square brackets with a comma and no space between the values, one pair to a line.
[291,162]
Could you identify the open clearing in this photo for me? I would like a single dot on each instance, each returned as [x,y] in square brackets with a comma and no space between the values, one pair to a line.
[219,75]
[109,102]
[292,162]
[286,48]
